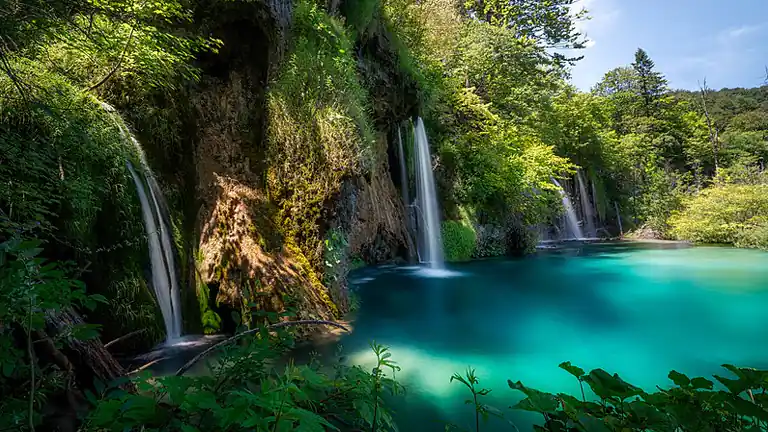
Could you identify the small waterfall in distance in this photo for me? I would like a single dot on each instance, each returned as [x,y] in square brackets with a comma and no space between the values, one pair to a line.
[570,214]
[426,200]
[160,244]
[586,206]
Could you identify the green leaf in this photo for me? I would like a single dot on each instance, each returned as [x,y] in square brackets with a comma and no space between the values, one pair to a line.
[734,386]
[701,383]
[592,424]
[747,408]
[536,401]
[571,369]
[8,368]
[679,379]
[606,385]
[99,298]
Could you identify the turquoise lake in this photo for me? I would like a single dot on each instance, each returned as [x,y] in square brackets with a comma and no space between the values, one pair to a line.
[639,310]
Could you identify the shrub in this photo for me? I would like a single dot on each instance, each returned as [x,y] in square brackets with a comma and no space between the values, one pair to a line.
[33,290]
[458,241]
[729,214]
[491,241]
[245,392]
[691,405]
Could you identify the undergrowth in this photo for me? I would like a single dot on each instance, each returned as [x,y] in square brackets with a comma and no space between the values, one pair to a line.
[318,129]
[459,240]
[62,161]
[729,214]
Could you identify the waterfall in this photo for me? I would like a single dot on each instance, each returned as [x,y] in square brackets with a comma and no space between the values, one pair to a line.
[426,200]
[586,205]
[160,244]
[571,219]
[618,218]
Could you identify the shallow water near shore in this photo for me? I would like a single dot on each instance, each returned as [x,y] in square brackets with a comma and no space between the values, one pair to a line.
[636,309]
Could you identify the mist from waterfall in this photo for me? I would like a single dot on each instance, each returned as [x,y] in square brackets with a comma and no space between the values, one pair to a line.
[426,201]
[586,205]
[571,219]
[159,241]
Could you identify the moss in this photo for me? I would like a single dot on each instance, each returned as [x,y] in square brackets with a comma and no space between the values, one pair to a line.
[306,270]
[459,240]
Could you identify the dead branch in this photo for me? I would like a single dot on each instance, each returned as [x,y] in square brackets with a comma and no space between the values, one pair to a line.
[223,343]
[117,65]
[713,132]
[124,337]
[141,368]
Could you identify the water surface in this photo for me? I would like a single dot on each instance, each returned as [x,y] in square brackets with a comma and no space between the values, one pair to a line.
[637,310]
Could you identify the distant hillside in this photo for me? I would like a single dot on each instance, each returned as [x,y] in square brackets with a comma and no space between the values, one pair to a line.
[735,109]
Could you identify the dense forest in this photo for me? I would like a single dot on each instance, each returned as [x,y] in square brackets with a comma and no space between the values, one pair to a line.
[268,134]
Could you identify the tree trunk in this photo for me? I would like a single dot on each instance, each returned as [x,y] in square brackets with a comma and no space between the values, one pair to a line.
[90,359]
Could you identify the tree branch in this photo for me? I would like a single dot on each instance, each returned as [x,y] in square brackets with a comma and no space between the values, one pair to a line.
[117,65]
[197,358]
[124,337]
[5,65]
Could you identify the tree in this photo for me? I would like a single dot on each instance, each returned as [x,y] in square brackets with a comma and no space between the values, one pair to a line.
[620,87]
[550,23]
[714,133]
[651,85]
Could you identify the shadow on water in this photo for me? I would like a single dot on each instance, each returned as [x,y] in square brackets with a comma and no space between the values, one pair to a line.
[488,303]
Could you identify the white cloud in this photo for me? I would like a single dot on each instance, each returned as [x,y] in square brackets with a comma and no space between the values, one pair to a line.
[743,30]
[733,35]
[603,14]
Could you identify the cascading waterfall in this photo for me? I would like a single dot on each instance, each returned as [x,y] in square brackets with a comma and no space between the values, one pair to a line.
[162,263]
[571,219]
[166,291]
[586,205]
[426,200]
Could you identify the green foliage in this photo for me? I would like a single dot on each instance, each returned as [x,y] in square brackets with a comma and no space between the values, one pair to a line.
[90,41]
[551,23]
[459,240]
[336,264]
[491,241]
[32,289]
[246,391]
[481,410]
[63,166]
[691,405]
[724,214]
[318,128]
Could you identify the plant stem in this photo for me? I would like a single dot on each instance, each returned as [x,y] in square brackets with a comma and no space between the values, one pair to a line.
[117,65]
[279,412]
[31,353]
[375,399]
[581,385]
[477,413]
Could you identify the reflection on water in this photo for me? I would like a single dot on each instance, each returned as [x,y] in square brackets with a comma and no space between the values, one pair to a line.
[638,310]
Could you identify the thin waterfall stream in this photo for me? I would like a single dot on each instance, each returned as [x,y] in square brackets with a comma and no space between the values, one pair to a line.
[570,214]
[159,242]
[586,205]
[426,201]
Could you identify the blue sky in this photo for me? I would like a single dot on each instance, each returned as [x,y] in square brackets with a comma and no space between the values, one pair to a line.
[724,41]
